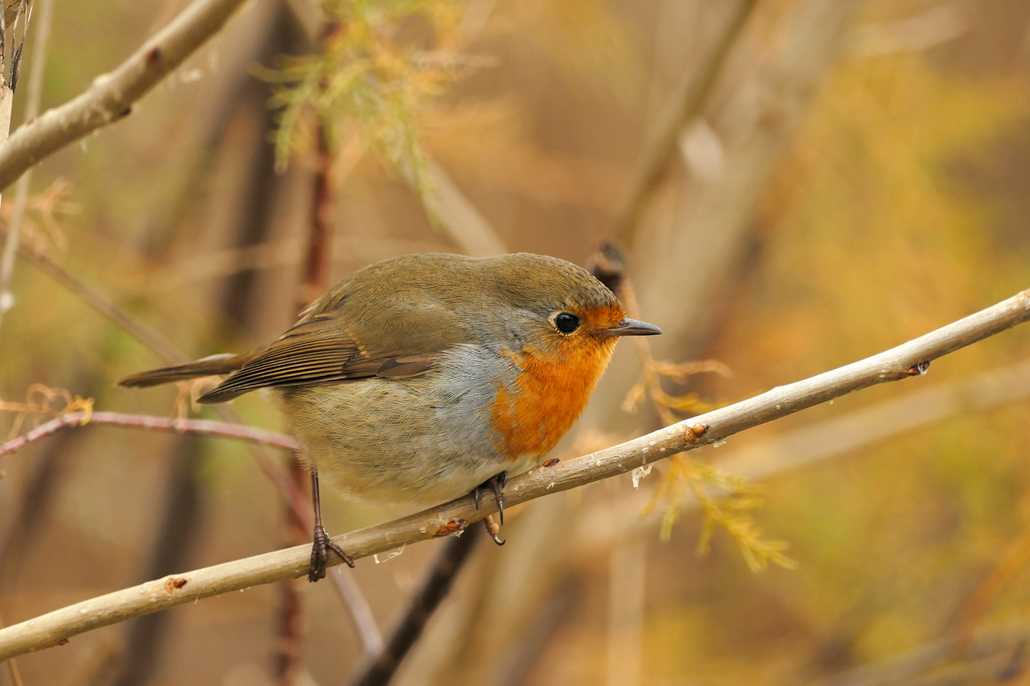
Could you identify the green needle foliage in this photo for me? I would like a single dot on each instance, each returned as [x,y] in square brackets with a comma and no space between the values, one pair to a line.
[382,64]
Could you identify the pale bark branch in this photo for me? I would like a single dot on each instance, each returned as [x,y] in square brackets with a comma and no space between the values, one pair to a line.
[606,523]
[908,359]
[21,193]
[110,97]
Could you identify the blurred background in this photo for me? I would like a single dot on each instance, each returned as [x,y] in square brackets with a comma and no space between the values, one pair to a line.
[797,184]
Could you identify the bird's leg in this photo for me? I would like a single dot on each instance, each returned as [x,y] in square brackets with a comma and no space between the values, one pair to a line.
[322,543]
[496,484]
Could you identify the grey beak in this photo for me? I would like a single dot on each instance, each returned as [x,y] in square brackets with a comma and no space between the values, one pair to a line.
[632,327]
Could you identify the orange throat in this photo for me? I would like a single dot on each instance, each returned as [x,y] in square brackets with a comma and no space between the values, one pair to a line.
[531,415]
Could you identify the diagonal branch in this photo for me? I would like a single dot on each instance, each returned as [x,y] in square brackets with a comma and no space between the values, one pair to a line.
[692,93]
[110,97]
[909,359]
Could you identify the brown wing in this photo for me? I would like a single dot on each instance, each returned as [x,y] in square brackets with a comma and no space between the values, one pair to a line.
[323,349]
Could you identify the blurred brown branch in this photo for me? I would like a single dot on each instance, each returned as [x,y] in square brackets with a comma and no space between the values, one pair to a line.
[688,100]
[998,656]
[904,361]
[110,97]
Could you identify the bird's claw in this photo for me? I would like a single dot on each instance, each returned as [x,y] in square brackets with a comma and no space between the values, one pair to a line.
[492,529]
[320,548]
[496,484]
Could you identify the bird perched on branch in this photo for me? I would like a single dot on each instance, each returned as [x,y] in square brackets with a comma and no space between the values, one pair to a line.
[421,378]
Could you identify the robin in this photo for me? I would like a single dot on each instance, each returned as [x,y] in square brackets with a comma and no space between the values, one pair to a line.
[422,378]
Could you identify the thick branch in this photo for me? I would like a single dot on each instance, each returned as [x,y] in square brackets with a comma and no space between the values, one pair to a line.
[111,96]
[909,359]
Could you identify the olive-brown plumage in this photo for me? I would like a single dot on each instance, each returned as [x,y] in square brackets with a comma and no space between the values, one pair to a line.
[418,378]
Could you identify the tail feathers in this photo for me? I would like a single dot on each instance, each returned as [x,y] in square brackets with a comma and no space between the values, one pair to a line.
[208,366]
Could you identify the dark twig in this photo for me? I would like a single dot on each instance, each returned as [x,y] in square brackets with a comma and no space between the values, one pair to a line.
[289,655]
[436,584]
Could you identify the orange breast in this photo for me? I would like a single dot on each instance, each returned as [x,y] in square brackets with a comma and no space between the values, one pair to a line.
[546,399]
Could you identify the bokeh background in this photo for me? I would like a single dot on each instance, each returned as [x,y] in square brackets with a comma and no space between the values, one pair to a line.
[833,179]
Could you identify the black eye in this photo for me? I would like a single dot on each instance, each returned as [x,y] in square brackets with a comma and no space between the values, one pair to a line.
[566,323]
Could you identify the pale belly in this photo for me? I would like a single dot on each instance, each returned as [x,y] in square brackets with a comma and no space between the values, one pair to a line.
[420,440]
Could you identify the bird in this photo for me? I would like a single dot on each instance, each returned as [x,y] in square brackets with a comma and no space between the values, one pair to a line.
[422,378]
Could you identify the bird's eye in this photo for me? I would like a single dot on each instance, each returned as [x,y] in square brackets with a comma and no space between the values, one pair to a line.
[566,323]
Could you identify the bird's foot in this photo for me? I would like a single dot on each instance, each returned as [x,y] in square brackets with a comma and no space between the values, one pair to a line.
[320,554]
[495,484]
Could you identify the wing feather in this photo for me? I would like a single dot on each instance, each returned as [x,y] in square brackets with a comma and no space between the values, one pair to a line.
[323,349]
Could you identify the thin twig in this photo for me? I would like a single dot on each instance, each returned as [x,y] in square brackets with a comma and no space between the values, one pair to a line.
[435,586]
[204,427]
[685,104]
[164,348]
[910,359]
[110,97]
[21,192]
[103,305]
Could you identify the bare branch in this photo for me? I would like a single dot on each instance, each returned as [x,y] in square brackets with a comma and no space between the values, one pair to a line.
[110,97]
[909,359]
[203,427]
[607,522]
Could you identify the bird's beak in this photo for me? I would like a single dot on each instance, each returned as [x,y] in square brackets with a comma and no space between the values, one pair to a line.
[632,327]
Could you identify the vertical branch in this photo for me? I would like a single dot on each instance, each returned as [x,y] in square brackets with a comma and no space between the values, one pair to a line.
[21,191]
[313,281]
[6,105]
[316,263]
[11,245]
